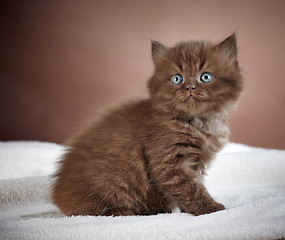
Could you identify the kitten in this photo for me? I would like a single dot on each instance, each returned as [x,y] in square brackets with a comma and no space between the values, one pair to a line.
[147,156]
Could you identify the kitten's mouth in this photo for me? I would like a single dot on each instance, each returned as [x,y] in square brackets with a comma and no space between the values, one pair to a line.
[191,96]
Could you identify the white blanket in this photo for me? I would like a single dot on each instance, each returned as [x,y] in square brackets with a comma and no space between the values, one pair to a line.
[249,181]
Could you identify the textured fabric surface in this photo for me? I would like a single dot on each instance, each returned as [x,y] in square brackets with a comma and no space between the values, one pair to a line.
[249,181]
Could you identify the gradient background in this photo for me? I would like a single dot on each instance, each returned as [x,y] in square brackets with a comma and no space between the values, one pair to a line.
[63,61]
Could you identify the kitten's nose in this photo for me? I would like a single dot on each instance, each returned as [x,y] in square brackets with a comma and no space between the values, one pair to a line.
[192,87]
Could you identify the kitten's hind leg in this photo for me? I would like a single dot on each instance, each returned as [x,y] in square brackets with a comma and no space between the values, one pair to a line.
[120,202]
[109,211]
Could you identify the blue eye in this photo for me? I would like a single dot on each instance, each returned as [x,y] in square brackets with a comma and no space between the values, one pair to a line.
[176,79]
[206,77]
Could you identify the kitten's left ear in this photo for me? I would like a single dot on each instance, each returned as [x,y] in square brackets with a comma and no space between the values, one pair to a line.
[228,48]
[157,50]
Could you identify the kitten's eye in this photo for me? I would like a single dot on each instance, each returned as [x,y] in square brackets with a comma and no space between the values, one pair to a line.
[206,77]
[176,79]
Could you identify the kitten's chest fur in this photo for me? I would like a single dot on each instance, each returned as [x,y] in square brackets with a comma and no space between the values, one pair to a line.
[191,143]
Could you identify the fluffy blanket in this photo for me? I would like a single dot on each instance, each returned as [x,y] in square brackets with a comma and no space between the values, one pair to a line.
[249,181]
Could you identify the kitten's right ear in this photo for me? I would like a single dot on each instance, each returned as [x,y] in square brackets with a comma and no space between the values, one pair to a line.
[157,50]
[228,48]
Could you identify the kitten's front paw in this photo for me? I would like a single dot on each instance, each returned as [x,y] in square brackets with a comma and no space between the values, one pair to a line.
[217,207]
[214,207]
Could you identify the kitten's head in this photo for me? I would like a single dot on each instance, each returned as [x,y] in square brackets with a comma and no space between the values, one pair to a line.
[195,78]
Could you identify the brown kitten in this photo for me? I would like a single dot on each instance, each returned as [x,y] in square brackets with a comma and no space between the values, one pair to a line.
[147,156]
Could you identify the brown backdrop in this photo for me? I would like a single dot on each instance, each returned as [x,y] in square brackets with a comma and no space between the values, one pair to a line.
[62,61]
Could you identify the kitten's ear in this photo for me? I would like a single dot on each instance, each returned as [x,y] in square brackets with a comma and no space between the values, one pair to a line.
[228,48]
[157,50]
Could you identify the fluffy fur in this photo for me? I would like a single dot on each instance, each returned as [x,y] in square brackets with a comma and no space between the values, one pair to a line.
[146,157]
